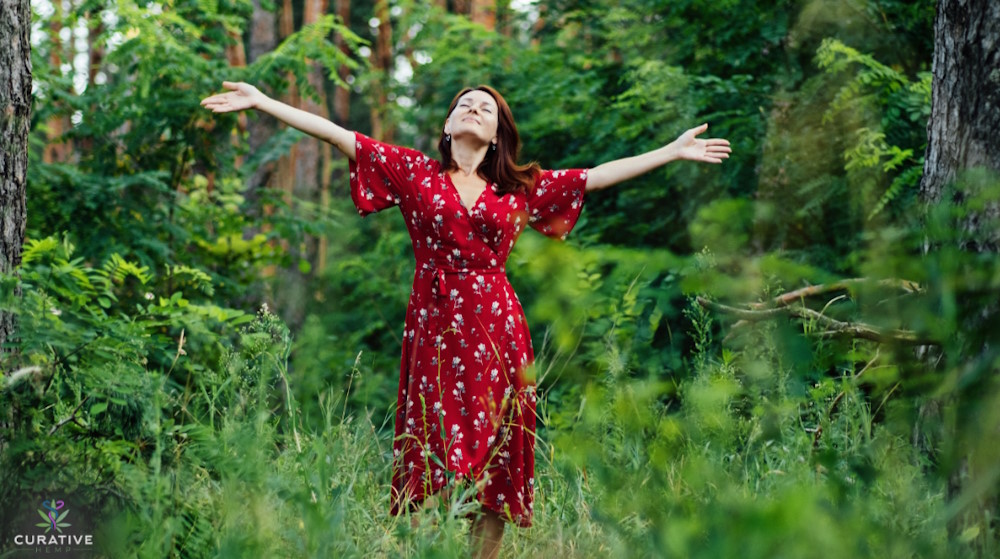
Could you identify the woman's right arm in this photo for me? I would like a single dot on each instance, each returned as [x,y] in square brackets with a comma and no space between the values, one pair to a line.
[242,96]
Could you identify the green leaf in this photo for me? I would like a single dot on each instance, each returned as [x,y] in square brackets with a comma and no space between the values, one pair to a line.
[969,534]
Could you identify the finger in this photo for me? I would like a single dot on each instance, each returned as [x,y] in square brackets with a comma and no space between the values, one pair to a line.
[699,129]
[232,86]
[216,107]
[219,97]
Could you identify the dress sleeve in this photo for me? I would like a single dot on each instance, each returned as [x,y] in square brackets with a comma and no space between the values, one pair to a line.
[383,174]
[555,203]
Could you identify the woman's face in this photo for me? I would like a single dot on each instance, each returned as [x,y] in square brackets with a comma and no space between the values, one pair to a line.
[475,117]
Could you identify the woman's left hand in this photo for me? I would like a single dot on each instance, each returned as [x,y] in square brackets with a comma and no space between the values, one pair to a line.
[689,146]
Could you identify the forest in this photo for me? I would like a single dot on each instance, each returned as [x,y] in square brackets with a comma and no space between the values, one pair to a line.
[793,354]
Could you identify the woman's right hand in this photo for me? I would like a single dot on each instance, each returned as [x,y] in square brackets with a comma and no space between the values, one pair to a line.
[241,96]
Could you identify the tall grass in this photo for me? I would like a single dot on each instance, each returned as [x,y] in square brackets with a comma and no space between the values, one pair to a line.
[745,467]
[752,448]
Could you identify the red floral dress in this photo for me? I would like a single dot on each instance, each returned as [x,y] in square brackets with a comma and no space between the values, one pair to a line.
[465,404]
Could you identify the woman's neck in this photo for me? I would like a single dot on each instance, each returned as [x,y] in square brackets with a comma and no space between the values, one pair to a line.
[467,158]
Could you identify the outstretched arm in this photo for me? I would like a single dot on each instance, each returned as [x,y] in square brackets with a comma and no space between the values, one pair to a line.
[242,96]
[687,146]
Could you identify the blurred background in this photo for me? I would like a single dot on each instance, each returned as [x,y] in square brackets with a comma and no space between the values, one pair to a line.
[793,354]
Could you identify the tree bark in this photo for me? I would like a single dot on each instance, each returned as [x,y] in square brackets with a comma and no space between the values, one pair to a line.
[58,148]
[962,136]
[382,127]
[312,177]
[263,38]
[302,177]
[341,115]
[236,55]
[342,95]
[95,46]
[484,12]
[15,120]
[964,127]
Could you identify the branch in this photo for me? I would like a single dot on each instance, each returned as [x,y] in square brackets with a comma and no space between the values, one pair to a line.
[744,314]
[786,299]
[72,416]
[833,327]
[19,374]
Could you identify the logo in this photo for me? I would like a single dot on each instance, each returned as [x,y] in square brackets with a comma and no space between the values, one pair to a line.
[53,522]
[53,539]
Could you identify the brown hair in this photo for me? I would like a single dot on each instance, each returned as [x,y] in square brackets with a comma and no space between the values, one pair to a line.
[500,166]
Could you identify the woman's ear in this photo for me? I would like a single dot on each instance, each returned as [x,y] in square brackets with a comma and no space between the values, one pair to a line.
[447,125]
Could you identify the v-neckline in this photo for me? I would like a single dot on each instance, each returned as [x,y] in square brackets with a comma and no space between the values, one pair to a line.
[458,194]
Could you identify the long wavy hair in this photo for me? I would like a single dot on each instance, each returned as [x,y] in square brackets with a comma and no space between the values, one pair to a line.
[500,166]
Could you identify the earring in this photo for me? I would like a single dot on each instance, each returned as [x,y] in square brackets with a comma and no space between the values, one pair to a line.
[493,147]
[447,138]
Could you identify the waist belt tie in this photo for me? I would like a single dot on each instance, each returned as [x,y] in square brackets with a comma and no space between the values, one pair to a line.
[440,271]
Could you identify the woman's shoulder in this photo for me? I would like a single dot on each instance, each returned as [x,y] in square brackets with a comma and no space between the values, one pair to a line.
[387,150]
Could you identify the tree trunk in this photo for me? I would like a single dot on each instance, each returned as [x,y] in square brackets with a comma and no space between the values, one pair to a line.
[484,12]
[58,149]
[236,55]
[262,40]
[342,95]
[312,178]
[382,128]
[95,46]
[15,119]
[503,17]
[281,175]
[964,127]
[962,136]
[341,115]
[301,175]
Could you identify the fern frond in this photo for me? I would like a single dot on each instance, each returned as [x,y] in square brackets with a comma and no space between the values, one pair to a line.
[835,57]
[118,270]
[199,279]
[909,178]
[36,249]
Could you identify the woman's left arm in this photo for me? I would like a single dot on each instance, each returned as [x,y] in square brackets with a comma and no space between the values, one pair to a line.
[686,146]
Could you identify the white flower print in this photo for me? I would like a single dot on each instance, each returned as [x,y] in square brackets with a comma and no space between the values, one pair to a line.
[479,315]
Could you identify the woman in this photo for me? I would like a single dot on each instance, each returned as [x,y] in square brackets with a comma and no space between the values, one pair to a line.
[466,410]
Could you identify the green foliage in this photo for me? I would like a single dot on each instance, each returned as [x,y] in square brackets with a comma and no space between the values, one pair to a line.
[155,179]
[351,340]
[194,428]
[904,106]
